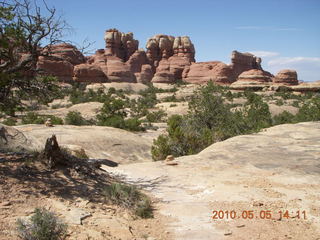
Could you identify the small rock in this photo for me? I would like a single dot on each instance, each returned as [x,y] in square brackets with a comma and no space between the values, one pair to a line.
[241,226]
[6,204]
[171,163]
[228,233]
[257,204]
[169,158]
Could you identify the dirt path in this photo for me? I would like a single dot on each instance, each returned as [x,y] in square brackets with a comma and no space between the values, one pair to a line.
[275,170]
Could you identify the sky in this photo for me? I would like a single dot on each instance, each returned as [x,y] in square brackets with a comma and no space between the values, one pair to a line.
[285,33]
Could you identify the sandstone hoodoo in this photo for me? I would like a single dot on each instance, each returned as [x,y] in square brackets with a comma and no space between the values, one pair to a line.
[169,56]
[286,77]
[121,45]
[167,59]
[241,62]
[253,79]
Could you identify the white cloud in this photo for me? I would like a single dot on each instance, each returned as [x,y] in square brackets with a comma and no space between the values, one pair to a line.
[294,60]
[308,68]
[268,28]
[264,53]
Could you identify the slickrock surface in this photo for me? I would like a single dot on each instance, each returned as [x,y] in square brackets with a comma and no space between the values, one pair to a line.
[98,142]
[276,169]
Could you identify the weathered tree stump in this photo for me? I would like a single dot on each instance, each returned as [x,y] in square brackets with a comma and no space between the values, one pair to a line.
[52,153]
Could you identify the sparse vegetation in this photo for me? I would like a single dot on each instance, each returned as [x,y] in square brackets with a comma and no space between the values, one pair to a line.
[279,102]
[34,118]
[75,118]
[113,114]
[156,116]
[43,225]
[9,122]
[129,197]
[210,120]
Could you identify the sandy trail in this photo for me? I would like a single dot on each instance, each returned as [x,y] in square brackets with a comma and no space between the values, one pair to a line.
[275,170]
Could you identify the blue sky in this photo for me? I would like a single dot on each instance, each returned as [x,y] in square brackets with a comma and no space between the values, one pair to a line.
[285,33]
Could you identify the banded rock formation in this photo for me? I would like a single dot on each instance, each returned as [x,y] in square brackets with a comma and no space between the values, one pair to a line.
[254,79]
[169,56]
[59,61]
[165,60]
[203,72]
[286,77]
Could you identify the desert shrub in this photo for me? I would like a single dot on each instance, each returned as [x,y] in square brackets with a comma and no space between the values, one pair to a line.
[256,114]
[113,114]
[129,197]
[43,225]
[284,117]
[171,98]
[210,120]
[173,105]
[279,102]
[133,124]
[56,106]
[149,97]
[295,104]
[32,118]
[54,119]
[161,147]
[9,122]
[156,116]
[309,111]
[229,96]
[75,118]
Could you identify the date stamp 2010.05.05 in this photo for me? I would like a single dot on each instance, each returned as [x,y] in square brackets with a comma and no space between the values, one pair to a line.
[261,214]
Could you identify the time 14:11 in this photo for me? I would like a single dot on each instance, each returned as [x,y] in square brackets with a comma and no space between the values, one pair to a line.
[300,214]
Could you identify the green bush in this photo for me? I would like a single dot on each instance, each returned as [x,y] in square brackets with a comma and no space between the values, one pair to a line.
[310,111]
[9,122]
[171,98]
[210,120]
[55,120]
[279,102]
[295,104]
[156,116]
[33,118]
[284,117]
[133,124]
[113,114]
[75,118]
[129,197]
[44,225]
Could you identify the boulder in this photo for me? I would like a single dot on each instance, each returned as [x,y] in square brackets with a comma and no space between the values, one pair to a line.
[203,72]
[90,73]
[286,77]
